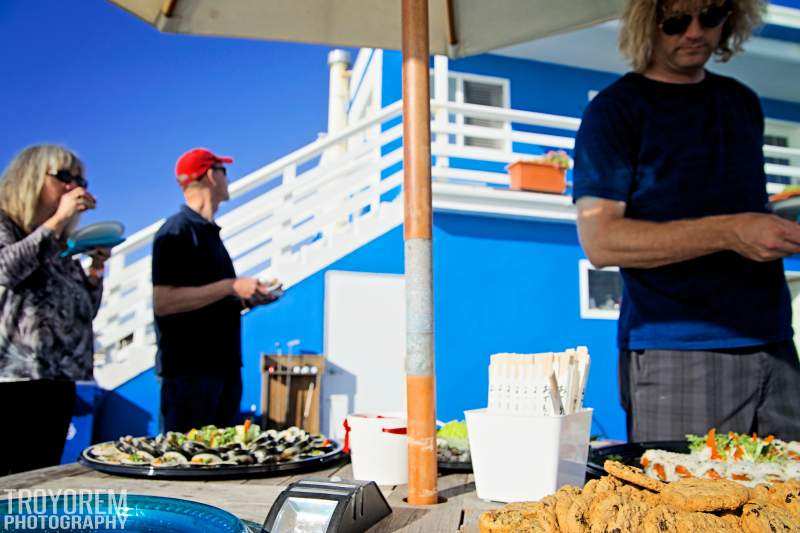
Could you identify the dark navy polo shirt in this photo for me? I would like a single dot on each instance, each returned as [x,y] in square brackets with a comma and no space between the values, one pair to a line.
[682,151]
[188,252]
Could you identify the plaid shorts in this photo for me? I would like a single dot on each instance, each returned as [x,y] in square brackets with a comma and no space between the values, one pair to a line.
[669,393]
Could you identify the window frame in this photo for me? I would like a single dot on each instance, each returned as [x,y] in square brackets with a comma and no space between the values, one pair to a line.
[460,78]
[584,266]
[791,131]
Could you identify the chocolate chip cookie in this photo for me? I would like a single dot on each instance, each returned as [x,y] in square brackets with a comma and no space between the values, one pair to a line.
[760,517]
[634,475]
[695,494]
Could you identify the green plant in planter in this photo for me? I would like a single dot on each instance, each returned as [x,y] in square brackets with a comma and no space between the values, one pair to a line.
[558,158]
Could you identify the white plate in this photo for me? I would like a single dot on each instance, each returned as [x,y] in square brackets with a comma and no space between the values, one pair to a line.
[272,287]
[100,230]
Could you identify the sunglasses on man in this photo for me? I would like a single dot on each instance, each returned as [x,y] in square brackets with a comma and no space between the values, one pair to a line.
[221,169]
[65,176]
[710,17]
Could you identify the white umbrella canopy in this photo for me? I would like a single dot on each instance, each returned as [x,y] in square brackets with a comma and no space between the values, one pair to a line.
[457,27]
[418,27]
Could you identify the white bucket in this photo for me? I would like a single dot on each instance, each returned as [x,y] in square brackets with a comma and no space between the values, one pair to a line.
[524,458]
[378,448]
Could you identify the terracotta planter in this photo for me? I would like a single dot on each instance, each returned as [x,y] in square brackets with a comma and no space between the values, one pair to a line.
[539,177]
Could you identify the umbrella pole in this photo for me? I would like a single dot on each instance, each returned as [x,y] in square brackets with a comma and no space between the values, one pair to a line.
[420,380]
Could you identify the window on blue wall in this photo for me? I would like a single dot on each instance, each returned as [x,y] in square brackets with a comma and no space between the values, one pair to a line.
[782,152]
[476,92]
[464,88]
[600,291]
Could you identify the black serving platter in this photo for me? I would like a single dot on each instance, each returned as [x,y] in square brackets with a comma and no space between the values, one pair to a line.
[211,472]
[628,453]
[454,467]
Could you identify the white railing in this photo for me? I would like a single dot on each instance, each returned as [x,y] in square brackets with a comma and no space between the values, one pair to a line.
[267,235]
[518,144]
[294,229]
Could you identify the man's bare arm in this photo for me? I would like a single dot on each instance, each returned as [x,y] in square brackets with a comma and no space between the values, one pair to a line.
[608,238]
[168,300]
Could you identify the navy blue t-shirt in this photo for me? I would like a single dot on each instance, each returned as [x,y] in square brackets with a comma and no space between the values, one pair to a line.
[681,151]
[188,252]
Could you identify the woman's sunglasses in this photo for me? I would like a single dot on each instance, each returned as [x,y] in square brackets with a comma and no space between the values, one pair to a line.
[65,176]
[710,17]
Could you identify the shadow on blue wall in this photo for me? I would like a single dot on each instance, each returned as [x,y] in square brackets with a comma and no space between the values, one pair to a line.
[339,381]
[499,229]
[131,409]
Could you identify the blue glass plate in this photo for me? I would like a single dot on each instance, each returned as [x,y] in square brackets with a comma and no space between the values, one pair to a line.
[101,512]
[97,235]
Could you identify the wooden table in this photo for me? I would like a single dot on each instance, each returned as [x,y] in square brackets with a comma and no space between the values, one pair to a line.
[250,499]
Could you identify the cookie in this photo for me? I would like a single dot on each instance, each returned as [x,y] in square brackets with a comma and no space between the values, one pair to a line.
[600,486]
[695,494]
[616,513]
[705,522]
[733,519]
[648,497]
[565,497]
[634,475]
[526,517]
[576,519]
[549,501]
[759,493]
[758,517]
[665,519]
[661,519]
[787,496]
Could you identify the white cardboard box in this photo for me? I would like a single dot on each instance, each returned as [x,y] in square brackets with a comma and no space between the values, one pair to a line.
[524,458]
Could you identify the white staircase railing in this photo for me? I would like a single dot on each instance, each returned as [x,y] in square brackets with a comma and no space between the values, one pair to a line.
[302,212]
[321,207]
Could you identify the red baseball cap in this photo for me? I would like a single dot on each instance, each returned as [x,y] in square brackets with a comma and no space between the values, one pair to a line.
[195,163]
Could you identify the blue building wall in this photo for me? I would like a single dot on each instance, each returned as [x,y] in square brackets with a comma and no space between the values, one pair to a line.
[532,85]
[133,407]
[500,285]
[512,285]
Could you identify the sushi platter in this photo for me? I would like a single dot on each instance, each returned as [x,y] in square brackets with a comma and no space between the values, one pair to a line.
[747,459]
[214,453]
[629,453]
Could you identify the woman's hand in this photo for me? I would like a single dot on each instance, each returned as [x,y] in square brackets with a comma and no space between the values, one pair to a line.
[99,257]
[71,203]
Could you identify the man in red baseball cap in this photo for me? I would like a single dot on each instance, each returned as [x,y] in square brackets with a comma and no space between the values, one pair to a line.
[197,303]
[193,165]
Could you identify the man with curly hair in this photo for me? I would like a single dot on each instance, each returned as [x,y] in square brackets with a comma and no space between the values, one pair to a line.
[670,187]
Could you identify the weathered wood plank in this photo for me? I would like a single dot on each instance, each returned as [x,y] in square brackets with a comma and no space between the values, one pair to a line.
[251,499]
[285,480]
[28,479]
[346,472]
[445,516]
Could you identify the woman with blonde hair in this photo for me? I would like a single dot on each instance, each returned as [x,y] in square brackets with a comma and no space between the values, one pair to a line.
[47,303]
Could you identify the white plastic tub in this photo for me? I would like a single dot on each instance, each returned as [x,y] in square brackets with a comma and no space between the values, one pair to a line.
[378,448]
[524,458]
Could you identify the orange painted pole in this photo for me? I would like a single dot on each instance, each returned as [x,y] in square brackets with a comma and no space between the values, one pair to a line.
[420,380]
